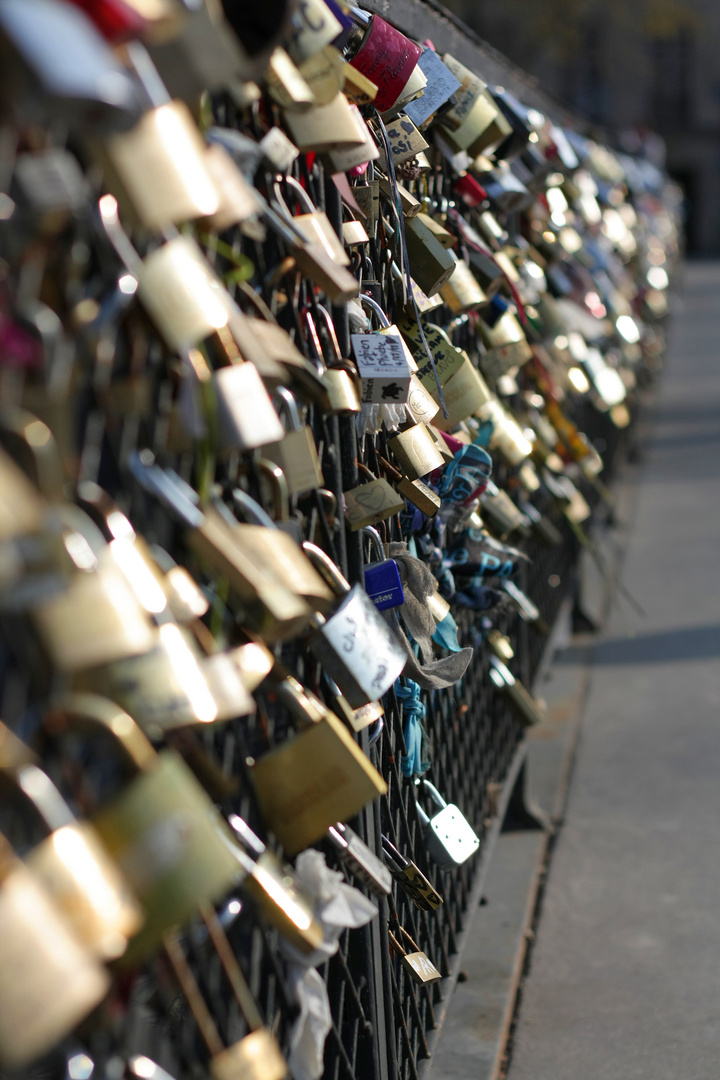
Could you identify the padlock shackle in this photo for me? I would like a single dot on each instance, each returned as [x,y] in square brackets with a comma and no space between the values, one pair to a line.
[393,856]
[326,567]
[301,194]
[308,319]
[37,789]
[159,483]
[38,442]
[288,404]
[433,792]
[79,711]
[330,326]
[375,540]
[368,302]
[248,508]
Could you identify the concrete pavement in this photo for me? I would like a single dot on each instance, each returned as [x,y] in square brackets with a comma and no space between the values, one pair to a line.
[624,981]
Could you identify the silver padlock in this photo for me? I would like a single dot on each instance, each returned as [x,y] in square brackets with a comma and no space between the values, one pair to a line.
[448,835]
[355,645]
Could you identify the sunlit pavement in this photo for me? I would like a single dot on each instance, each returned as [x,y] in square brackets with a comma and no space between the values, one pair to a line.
[624,981]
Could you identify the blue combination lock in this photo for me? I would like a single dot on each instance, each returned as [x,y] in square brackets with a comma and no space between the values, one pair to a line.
[382,577]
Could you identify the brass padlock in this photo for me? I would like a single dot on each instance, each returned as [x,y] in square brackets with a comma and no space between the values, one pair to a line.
[313,224]
[316,778]
[416,452]
[417,963]
[362,153]
[258,1055]
[461,292]
[371,503]
[355,645]
[264,540]
[273,887]
[96,619]
[524,705]
[246,416]
[314,26]
[420,890]
[339,378]
[285,84]
[431,265]
[270,348]
[324,73]
[359,859]
[312,259]
[269,607]
[158,171]
[324,127]
[49,982]
[405,142]
[296,453]
[420,495]
[160,827]
[367,196]
[74,867]
[474,122]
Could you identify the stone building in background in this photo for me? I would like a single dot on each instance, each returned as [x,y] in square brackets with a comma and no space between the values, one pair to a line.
[628,65]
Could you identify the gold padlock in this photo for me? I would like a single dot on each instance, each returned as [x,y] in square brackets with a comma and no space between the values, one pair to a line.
[431,265]
[258,1055]
[21,507]
[324,73]
[270,608]
[74,867]
[340,377]
[158,171]
[314,224]
[316,778]
[461,291]
[312,259]
[416,452]
[324,127]
[285,84]
[160,827]
[49,981]
[370,503]
[296,453]
[474,122]
[446,238]
[417,963]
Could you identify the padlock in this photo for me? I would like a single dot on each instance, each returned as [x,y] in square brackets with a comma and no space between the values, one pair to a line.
[57,67]
[416,452]
[273,887]
[387,58]
[180,292]
[285,83]
[382,577]
[356,719]
[314,224]
[158,171]
[501,512]
[50,187]
[324,73]
[264,343]
[431,265]
[474,122]
[125,20]
[314,26]
[49,982]
[355,645]
[449,837]
[237,201]
[441,85]
[270,608]
[500,645]
[361,153]
[507,435]
[339,378]
[74,867]
[324,128]
[264,539]
[312,259]
[367,196]
[217,47]
[359,859]
[246,416]
[417,963]
[405,142]
[528,611]
[411,878]
[420,495]
[295,453]
[160,827]
[409,205]
[461,292]
[319,776]
[524,705]
[420,404]
[255,1057]
[96,619]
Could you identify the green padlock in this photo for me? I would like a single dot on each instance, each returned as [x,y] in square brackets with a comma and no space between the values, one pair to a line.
[174,849]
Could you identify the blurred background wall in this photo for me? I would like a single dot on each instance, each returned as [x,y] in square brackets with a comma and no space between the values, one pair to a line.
[630,66]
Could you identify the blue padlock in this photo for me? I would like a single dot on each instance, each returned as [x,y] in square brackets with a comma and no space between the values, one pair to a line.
[382,577]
